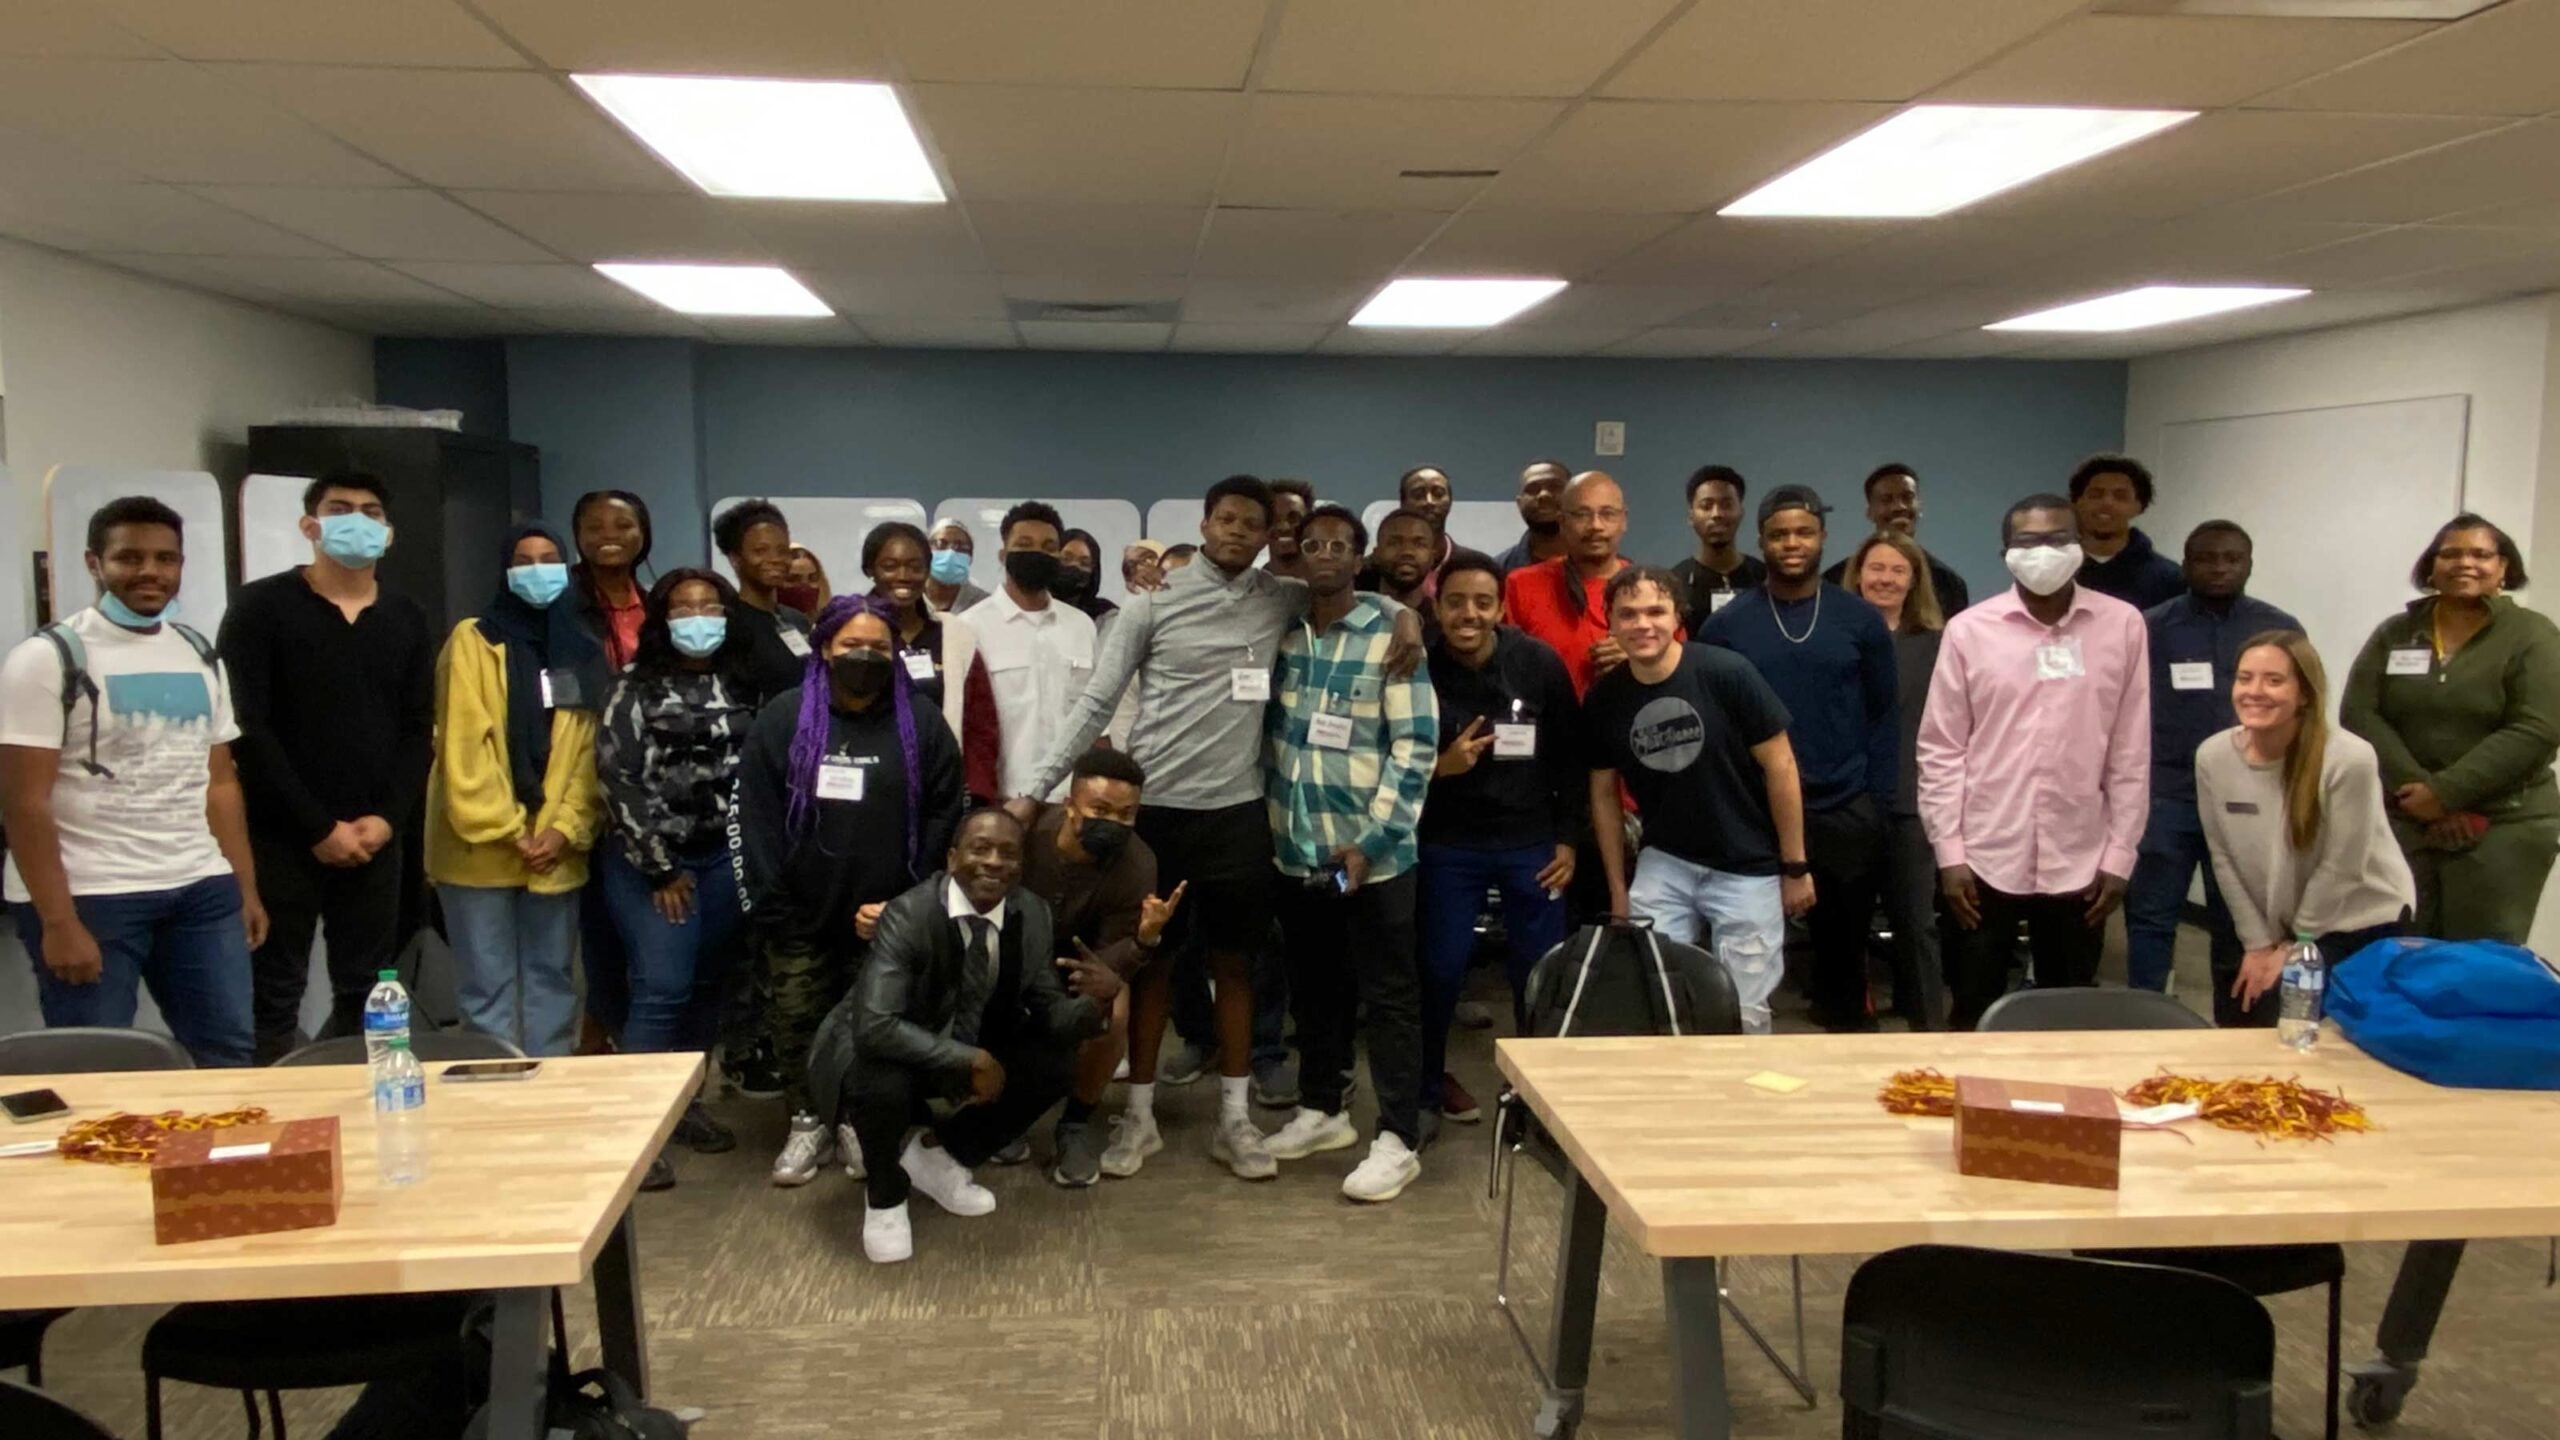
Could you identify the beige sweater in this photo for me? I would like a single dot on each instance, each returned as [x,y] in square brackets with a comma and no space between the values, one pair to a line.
[2352,878]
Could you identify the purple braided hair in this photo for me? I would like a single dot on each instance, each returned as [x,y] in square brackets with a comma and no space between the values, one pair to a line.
[809,738]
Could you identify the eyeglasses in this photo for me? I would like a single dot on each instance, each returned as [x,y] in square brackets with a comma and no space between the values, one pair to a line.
[1327,547]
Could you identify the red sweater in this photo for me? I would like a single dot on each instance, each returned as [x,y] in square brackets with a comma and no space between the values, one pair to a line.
[1541,600]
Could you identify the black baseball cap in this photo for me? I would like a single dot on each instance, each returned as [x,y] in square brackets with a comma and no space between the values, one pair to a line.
[1792,497]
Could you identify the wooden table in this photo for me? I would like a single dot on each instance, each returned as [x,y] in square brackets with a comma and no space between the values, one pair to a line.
[1665,1139]
[528,1183]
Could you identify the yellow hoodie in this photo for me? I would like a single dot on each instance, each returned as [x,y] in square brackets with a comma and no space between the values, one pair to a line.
[473,817]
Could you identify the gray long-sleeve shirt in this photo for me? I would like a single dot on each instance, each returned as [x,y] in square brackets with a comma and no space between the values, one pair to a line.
[1201,747]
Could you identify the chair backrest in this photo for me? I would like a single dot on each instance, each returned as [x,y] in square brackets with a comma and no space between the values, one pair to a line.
[427,1045]
[29,1414]
[83,1049]
[1603,980]
[2084,1008]
[1996,1345]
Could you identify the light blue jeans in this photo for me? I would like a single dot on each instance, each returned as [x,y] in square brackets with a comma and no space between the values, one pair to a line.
[511,952]
[1745,915]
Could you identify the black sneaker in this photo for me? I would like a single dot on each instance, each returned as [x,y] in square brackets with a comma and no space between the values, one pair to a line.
[755,1075]
[1079,1162]
[661,1176]
[702,1134]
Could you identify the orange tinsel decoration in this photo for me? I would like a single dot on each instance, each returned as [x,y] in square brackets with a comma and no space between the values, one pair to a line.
[1919,1092]
[128,1139]
[2280,1109]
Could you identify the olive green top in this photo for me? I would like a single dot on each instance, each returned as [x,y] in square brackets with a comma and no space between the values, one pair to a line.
[2479,728]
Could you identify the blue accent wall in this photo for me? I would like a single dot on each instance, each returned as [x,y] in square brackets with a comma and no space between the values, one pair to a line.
[682,423]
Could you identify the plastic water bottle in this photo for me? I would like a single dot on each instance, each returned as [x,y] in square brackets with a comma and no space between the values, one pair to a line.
[400,1114]
[2306,978]
[386,1016]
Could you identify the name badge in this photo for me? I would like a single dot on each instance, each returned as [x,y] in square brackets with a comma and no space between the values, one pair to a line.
[2239,807]
[561,687]
[840,780]
[2191,675]
[2408,662]
[1329,731]
[795,642]
[919,665]
[1718,600]
[1245,684]
[2059,659]
[1515,741]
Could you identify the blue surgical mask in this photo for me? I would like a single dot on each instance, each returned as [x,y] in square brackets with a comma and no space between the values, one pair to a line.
[353,539]
[130,618]
[698,637]
[538,585]
[950,567]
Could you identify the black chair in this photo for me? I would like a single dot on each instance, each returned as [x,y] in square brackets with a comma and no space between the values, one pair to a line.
[318,1344]
[2261,1270]
[1940,1341]
[75,1049]
[30,1414]
[89,1050]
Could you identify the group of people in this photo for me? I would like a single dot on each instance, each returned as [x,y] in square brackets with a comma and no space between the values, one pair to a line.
[929,862]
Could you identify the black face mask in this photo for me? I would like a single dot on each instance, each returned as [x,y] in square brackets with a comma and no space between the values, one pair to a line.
[1033,570]
[1073,583]
[1102,839]
[861,674]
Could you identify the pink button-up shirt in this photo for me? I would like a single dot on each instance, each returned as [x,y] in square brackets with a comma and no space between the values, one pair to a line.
[2038,783]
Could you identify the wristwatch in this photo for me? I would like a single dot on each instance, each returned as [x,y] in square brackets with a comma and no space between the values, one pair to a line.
[1795,869]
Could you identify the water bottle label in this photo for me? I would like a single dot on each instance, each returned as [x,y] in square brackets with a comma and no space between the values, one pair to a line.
[399,1094]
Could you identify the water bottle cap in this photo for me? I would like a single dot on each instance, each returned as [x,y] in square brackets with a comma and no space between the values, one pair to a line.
[397,1042]
[387,975]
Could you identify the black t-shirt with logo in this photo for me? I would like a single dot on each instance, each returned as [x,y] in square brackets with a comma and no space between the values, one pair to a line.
[1683,747]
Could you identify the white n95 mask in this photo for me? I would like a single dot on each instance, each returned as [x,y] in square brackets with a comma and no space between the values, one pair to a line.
[2043,569]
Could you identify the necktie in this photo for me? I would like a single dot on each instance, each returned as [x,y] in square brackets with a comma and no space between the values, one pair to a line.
[977,975]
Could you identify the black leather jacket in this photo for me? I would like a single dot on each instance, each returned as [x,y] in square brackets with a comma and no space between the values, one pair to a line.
[900,1010]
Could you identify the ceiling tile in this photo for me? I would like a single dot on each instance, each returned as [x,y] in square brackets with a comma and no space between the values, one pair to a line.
[1092,288]
[67,30]
[1564,243]
[592,227]
[1024,239]
[2171,61]
[2392,255]
[1348,152]
[1310,244]
[1244,339]
[886,293]
[1685,342]
[1453,47]
[2523,214]
[583,320]
[487,129]
[1621,307]
[1630,155]
[1715,250]
[2503,166]
[380,224]
[1824,49]
[531,287]
[823,235]
[1172,44]
[328,282]
[1086,146]
[944,334]
[167,120]
[787,330]
[1087,335]
[1546,339]
[140,218]
[328,32]
[1939,254]
[2498,62]
[1274,302]
[1963,345]
[689,37]
[1350,341]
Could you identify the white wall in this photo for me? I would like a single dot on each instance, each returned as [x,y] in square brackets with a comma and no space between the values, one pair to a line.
[106,368]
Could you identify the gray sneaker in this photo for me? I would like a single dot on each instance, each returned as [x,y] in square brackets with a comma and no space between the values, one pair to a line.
[806,1148]
[1275,1087]
[1079,1161]
[1185,1065]
[1017,1153]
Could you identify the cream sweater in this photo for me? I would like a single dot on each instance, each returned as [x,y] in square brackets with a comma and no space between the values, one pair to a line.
[2352,878]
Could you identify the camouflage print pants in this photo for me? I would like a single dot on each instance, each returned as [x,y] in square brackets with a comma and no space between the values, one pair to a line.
[802,981]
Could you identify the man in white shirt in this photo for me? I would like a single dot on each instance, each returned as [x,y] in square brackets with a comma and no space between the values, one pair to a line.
[128,841]
[1038,654]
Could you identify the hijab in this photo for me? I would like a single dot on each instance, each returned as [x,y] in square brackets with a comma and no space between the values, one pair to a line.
[534,640]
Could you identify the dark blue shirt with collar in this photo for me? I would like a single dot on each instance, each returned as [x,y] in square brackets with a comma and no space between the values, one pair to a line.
[2185,631]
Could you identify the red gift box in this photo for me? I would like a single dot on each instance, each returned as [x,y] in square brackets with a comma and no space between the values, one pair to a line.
[246,1180]
[2027,1130]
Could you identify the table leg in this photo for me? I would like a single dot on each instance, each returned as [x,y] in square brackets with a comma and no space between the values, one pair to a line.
[1693,1311]
[518,1373]
[620,1329]
[1577,1301]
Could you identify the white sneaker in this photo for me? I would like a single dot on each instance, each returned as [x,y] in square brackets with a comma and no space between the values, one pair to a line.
[808,1147]
[887,1236]
[849,1150]
[945,1181]
[1311,1132]
[1133,1139]
[1382,1177]
[1238,1145]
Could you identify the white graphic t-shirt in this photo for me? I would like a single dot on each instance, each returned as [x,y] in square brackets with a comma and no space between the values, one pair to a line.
[139,826]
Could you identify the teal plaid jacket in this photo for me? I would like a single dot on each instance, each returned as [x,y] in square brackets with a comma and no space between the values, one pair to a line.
[1369,793]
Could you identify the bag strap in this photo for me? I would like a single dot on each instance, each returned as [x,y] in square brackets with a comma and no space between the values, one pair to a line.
[195,639]
[76,687]
[1662,977]
[1582,977]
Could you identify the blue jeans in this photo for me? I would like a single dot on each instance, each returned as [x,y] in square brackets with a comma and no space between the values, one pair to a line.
[1454,880]
[676,973]
[1746,921]
[511,961]
[187,944]
[2172,848]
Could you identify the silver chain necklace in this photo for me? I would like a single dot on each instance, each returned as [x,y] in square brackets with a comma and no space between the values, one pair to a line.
[1809,626]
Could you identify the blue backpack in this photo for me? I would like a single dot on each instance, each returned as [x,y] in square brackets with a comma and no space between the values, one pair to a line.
[2476,1014]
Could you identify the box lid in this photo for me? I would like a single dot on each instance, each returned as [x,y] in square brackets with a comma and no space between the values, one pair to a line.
[247,1142]
[2034,1097]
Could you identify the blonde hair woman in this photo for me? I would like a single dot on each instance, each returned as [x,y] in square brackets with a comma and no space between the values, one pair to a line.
[1889,572]
[2293,817]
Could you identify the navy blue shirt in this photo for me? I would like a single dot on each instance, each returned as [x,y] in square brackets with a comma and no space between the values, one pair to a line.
[2185,632]
[1830,658]
[2138,574]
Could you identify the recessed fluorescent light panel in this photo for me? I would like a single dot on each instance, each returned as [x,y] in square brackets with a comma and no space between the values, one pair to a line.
[1935,158]
[719,289]
[774,139]
[1452,304]
[2151,305]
